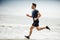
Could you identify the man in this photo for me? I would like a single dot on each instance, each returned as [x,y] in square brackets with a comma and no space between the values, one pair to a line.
[35,16]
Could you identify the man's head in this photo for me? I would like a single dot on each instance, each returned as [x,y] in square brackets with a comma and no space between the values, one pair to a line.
[33,5]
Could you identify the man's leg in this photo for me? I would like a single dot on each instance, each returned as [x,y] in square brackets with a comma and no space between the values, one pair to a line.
[31,29]
[39,28]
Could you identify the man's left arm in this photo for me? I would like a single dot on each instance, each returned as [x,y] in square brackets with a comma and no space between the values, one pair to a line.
[39,15]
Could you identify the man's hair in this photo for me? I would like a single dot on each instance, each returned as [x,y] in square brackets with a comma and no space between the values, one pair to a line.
[34,4]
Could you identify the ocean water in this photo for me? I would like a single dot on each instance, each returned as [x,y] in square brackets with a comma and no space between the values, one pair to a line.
[16,27]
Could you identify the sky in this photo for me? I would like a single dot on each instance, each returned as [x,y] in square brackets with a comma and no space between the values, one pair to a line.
[47,8]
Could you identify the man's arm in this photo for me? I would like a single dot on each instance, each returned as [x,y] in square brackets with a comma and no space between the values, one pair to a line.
[39,15]
[29,15]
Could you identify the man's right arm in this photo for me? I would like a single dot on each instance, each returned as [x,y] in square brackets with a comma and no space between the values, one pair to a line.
[29,15]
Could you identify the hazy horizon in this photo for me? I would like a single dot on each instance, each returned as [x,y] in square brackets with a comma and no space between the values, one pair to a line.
[50,9]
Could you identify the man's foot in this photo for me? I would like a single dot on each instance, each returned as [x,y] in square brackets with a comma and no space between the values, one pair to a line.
[47,28]
[27,37]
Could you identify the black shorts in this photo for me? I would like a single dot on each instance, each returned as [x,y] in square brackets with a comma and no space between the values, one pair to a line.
[36,23]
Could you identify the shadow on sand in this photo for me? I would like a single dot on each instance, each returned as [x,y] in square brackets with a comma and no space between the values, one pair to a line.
[18,39]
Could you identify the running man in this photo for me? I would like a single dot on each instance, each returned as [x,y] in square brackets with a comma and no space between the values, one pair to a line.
[35,16]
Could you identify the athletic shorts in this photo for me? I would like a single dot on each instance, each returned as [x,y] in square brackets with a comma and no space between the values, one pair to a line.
[36,23]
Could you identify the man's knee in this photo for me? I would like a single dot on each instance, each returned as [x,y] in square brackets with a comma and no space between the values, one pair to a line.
[38,29]
[31,28]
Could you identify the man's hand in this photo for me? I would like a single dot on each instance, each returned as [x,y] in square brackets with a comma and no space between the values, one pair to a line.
[35,19]
[28,15]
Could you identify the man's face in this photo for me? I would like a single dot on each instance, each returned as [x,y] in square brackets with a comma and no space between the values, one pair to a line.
[33,7]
